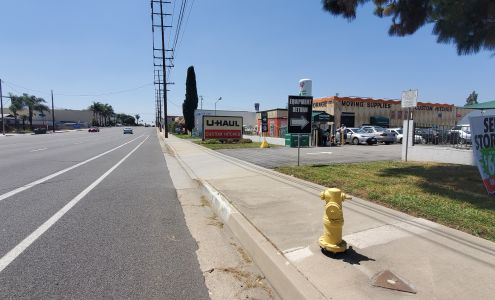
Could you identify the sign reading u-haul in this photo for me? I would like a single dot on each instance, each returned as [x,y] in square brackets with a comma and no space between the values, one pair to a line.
[222,127]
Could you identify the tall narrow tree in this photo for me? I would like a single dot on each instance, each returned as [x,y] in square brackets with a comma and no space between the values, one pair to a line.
[191,102]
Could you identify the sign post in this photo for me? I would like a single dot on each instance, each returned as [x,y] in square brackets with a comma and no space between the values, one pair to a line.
[300,109]
[264,128]
[409,99]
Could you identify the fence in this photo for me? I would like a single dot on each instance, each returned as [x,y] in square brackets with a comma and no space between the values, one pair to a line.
[458,136]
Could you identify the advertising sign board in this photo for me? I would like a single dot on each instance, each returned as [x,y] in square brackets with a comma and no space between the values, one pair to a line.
[264,121]
[222,127]
[483,141]
[300,109]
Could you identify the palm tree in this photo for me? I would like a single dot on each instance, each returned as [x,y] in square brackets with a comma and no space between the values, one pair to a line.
[15,106]
[32,102]
[137,116]
[41,108]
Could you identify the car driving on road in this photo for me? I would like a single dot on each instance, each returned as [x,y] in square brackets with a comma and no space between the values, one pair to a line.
[94,129]
[128,130]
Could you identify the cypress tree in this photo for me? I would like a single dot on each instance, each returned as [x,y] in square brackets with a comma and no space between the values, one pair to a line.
[191,102]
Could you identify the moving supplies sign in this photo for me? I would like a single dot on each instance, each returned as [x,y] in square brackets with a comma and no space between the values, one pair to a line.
[220,127]
[483,138]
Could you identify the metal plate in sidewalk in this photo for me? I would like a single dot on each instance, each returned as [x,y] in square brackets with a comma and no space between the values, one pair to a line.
[389,280]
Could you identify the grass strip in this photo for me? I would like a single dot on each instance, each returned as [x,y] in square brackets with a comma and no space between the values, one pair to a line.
[452,195]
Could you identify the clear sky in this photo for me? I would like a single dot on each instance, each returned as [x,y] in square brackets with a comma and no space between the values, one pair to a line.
[242,51]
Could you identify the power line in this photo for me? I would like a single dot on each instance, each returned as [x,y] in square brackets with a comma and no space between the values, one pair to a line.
[13,85]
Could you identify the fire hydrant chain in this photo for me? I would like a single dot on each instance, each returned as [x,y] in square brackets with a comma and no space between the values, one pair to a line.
[333,221]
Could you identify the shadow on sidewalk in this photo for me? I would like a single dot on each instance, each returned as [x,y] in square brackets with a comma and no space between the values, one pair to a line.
[349,256]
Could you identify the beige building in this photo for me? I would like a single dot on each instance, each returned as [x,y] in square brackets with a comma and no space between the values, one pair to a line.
[356,111]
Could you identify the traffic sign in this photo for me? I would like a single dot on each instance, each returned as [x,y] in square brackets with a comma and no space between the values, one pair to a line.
[264,121]
[300,109]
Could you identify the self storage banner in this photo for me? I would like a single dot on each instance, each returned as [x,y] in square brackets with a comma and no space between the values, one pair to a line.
[222,127]
[483,138]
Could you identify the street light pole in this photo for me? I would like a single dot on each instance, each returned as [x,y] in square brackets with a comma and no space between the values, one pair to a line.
[1,104]
[53,115]
[216,105]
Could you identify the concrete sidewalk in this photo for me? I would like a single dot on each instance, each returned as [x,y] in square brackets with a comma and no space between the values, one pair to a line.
[278,219]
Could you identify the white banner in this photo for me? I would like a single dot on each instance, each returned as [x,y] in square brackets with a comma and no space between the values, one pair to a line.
[483,139]
[409,98]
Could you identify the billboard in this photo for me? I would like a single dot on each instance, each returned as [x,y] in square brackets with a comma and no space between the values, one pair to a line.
[483,141]
[222,127]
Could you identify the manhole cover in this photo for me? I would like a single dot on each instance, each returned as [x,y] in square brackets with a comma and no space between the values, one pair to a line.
[389,280]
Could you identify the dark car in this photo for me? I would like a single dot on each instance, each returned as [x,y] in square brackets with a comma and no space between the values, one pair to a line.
[94,129]
[40,130]
[429,135]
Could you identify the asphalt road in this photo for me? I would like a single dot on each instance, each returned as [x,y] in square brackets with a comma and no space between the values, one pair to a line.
[90,216]
[284,156]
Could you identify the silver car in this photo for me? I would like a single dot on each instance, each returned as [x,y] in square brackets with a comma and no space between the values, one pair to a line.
[381,134]
[128,130]
[357,136]
[418,139]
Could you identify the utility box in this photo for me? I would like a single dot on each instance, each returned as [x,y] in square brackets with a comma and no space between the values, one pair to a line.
[291,140]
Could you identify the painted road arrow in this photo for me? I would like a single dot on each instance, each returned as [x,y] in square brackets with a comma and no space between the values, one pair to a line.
[302,121]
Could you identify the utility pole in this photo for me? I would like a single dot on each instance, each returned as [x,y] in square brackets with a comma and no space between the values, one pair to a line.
[160,102]
[1,104]
[53,115]
[201,102]
[164,68]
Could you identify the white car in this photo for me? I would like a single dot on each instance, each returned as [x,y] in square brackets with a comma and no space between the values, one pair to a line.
[463,133]
[399,134]
[128,130]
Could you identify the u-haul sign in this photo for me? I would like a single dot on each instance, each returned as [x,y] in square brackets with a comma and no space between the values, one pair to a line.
[222,127]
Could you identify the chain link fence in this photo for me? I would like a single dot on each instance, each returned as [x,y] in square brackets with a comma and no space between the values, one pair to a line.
[458,136]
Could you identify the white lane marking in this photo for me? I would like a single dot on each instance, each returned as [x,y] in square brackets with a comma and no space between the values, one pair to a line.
[36,182]
[17,250]
[40,149]
[316,153]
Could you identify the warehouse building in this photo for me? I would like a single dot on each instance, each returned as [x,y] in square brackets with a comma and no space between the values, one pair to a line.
[356,111]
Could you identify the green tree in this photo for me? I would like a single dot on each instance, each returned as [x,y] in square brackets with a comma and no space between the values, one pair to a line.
[469,24]
[472,98]
[15,106]
[137,116]
[41,108]
[191,102]
[32,102]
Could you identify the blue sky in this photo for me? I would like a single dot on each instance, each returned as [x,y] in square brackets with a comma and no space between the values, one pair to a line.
[243,51]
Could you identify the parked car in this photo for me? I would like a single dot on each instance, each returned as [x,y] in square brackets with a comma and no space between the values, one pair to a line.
[40,130]
[357,136]
[94,129]
[460,134]
[418,139]
[128,130]
[380,134]
[430,135]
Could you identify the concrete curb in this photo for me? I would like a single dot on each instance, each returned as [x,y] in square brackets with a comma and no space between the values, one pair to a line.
[284,277]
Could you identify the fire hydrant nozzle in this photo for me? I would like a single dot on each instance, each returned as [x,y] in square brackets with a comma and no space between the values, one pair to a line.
[333,220]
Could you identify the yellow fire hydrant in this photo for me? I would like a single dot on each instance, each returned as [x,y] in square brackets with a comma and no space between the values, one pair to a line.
[333,221]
